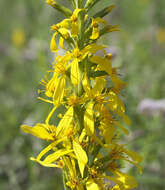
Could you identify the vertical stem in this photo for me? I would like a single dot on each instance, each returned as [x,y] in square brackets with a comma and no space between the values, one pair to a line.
[65,180]
[72,2]
[78,4]
[81,29]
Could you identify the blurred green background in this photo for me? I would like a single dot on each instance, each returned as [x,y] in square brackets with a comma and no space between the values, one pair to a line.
[139,50]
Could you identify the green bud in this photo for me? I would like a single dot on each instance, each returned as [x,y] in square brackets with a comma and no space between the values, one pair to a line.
[90,3]
[67,12]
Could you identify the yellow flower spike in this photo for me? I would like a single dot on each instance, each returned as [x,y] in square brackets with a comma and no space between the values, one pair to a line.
[81,156]
[89,119]
[91,107]
[53,45]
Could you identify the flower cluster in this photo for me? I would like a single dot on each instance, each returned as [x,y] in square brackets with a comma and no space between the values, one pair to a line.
[85,141]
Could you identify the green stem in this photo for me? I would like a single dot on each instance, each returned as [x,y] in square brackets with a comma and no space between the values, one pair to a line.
[64,175]
[81,29]
[72,3]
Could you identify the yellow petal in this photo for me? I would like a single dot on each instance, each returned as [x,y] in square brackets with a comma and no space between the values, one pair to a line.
[104,64]
[100,20]
[83,134]
[126,119]
[76,12]
[38,130]
[50,86]
[95,33]
[75,73]
[74,29]
[64,23]
[65,121]
[89,119]
[108,132]
[44,164]
[129,182]
[91,185]
[50,115]
[80,187]
[64,32]
[112,28]
[81,156]
[59,90]
[134,155]
[56,155]
[99,85]
[85,83]
[48,148]
[74,18]
[61,42]
[93,48]
[53,45]
[121,127]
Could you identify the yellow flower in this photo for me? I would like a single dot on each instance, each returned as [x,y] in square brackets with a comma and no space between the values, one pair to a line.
[50,2]
[18,37]
[74,20]
[95,27]
[161,35]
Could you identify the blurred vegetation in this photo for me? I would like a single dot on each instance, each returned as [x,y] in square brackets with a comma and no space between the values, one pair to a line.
[25,58]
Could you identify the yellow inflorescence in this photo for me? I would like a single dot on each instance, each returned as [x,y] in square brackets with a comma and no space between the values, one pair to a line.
[87,87]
